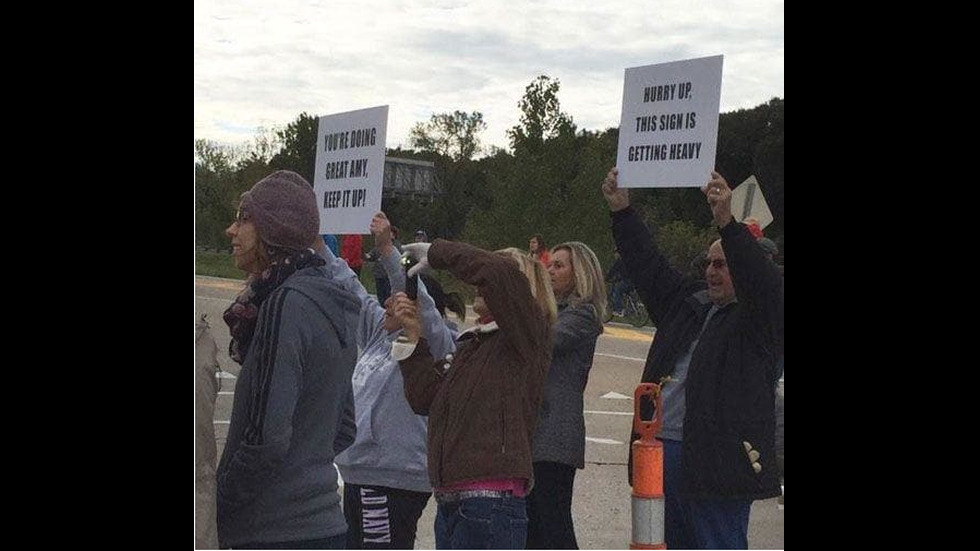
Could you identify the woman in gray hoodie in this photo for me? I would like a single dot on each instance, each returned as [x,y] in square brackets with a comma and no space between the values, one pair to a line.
[386,485]
[291,331]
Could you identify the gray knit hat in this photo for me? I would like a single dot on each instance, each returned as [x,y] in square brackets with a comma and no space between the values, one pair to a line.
[283,208]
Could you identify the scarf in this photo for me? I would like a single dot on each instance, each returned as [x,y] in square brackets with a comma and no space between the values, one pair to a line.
[243,313]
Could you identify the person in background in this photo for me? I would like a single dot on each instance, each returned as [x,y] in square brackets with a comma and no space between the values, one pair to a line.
[331,241]
[772,251]
[206,387]
[770,248]
[482,402]
[292,331]
[382,287]
[559,439]
[421,236]
[618,284]
[718,344]
[538,250]
[350,250]
[752,223]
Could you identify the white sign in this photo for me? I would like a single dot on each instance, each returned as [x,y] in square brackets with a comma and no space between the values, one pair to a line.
[668,132]
[748,202]
[350,166]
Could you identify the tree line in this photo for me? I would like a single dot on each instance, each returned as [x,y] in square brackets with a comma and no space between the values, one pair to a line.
[547,183]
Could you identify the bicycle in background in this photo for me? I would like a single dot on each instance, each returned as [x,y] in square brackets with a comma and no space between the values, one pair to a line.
[634,312]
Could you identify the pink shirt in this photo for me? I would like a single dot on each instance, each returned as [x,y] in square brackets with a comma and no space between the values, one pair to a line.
[515,485]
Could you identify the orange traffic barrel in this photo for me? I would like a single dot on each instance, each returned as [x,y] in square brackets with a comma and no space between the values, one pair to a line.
[648,473]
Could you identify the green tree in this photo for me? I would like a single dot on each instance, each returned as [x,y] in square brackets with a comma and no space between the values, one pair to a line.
[682,242]
[221,174]
[450,140]
[213,170]
[547,183]
[532,190]
[768,157]
[297,151]
[750,141]
[541,116]
[454,135]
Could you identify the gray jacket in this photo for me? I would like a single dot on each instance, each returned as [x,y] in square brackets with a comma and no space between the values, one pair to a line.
[293,412]
[390,448]
[560,432]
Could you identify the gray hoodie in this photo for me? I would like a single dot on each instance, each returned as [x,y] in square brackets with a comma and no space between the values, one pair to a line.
[390,448]
[293,412]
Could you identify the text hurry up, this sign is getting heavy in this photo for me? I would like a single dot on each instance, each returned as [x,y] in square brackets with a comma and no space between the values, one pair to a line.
[668,131]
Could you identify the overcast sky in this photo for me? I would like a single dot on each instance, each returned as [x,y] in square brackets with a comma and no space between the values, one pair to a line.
[260,63]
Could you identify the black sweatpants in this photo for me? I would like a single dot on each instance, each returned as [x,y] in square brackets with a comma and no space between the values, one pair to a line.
[382,518]
[549,507]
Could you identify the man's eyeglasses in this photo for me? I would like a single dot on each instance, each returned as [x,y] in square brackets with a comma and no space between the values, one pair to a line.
[718,263]
[241,217]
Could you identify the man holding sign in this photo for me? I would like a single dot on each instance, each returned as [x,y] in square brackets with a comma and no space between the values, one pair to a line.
[716,352]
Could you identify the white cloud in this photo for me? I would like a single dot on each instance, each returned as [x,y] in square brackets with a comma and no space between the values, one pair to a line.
[261,64]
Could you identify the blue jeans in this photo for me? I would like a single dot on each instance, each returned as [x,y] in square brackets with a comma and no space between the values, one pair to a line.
[700,523]
[482,523]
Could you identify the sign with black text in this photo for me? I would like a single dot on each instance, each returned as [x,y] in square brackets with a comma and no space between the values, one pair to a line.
[668,132]
[350,166]
[748,202]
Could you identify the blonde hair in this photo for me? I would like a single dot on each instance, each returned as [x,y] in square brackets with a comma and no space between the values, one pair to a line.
[537,277]
[589,284]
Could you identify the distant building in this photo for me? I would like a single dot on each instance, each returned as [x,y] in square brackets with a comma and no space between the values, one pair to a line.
[411,179]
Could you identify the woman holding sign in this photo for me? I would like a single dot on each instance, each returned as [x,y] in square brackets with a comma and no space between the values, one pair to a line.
[386,487]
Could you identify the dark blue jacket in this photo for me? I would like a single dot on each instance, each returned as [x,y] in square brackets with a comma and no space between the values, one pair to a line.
[730,387]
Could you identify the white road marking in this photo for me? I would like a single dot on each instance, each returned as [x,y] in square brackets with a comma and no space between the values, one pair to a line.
[616,396]
[609,412]
[602,440]
[212,298]
[228,393]
[225,375]
[621,357]
[216,422]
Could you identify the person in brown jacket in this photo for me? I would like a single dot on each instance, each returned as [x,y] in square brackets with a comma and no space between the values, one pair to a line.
[483,403]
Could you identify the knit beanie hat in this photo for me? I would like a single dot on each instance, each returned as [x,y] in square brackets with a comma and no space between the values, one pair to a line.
[283,208]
